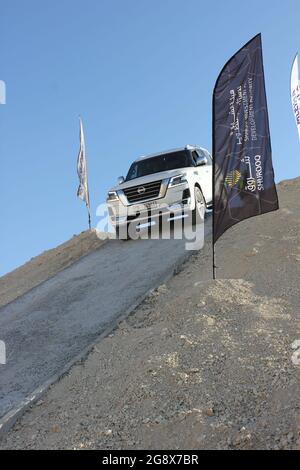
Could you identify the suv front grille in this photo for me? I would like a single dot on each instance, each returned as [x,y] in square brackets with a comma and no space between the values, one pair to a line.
[143,192]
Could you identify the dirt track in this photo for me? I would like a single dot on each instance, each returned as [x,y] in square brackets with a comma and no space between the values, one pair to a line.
[199,364]
[46,265]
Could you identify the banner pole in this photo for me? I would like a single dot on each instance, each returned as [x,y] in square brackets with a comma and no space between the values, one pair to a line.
[213,185]
[89,220]
[214,265]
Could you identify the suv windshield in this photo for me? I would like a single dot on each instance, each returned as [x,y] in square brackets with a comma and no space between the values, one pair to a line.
[167,161]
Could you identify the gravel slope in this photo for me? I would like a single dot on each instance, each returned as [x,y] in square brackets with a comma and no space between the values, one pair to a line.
[200,364]
[48,327]
[46,265]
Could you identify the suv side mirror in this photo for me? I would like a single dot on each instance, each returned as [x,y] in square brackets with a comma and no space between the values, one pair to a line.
[121,179]
[201,161]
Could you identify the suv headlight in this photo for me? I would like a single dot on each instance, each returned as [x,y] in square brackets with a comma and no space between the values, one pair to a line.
[176,180]
[112,196]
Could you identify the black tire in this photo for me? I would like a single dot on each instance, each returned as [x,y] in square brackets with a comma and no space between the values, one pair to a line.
[122,232]
[198,213]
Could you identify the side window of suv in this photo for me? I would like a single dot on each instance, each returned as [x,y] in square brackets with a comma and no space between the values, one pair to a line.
[195,157]
[209,159]
[203,153]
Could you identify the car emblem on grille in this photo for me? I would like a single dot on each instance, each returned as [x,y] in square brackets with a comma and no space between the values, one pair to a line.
[141,190]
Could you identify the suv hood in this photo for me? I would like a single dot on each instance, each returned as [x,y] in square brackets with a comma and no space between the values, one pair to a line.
[149,178]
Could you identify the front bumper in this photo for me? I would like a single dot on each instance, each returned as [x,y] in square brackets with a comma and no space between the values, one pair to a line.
[175,203]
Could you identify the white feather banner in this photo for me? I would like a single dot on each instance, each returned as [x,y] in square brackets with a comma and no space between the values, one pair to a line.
[295,92]
[83,189]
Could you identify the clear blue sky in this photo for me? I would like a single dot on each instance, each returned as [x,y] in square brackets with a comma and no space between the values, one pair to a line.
[141,74]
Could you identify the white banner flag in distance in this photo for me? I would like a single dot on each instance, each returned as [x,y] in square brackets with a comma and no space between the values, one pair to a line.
[83,189]
[295,92]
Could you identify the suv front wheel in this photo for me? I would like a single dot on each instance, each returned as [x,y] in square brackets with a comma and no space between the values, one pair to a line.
[198,213]
[122,232]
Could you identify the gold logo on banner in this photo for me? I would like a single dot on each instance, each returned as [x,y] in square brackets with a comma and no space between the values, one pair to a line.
[232,178]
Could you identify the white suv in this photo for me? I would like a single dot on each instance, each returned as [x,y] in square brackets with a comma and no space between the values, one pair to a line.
[169,183]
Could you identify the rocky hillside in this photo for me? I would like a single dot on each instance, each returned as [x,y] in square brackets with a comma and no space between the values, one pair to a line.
[200,364]
[46,265]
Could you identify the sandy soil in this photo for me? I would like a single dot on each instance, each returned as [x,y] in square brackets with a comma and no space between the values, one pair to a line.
[200,364]
[46,265]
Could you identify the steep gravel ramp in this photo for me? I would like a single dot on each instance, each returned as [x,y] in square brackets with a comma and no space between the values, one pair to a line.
[49,326]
